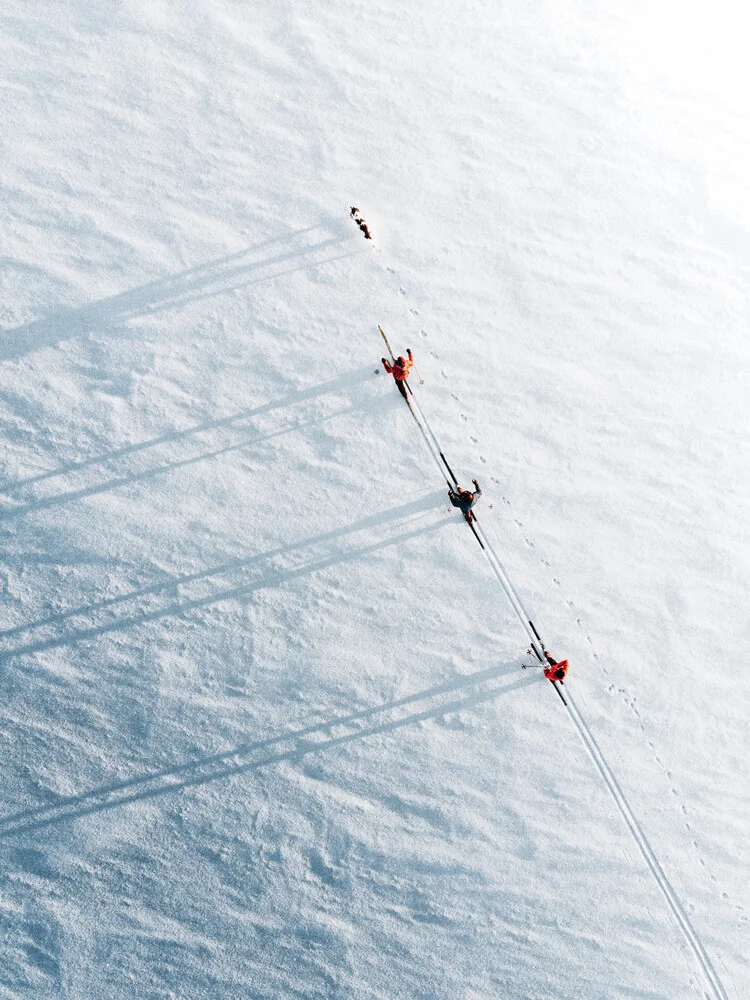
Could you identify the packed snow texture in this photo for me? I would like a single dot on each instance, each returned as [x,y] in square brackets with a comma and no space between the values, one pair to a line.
[264,728]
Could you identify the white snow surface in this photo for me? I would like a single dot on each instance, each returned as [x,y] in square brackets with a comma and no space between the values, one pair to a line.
[264,728]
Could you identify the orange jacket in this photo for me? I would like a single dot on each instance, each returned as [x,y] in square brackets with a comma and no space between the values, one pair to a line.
[400,374]
[556,671]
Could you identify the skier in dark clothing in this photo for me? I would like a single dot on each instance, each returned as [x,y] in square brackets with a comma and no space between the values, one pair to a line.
[465,499]
[555,671]
[400,371]
[363,227]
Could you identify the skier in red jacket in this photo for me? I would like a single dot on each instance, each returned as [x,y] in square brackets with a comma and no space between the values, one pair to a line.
[400,371]
[555,671]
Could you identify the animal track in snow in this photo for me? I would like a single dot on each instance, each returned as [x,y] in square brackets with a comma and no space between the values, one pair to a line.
[413,311]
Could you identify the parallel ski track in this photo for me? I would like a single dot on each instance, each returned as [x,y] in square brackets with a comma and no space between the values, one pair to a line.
[636,830]
[595,752]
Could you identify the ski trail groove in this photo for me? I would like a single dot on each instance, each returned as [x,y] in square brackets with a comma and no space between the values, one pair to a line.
[636,831]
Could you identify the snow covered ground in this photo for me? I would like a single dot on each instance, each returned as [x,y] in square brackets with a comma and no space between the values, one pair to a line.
[264,727]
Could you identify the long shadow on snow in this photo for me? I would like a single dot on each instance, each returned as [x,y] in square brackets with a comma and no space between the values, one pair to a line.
[270,577]
[349,380]
[316,738]
[61,498]
[201,282]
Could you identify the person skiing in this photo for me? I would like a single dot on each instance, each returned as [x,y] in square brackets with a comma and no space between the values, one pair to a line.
[363,227]
[555,671]
[465,499]
[400,371]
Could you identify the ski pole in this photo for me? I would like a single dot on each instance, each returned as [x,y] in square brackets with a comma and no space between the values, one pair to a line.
[416,370]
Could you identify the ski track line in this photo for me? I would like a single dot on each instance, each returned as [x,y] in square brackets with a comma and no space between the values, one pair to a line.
[673,901]
[636,830]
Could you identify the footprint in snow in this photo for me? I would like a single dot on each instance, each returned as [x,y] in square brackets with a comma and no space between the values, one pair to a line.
[424,333]
[464,417]
[402,289]
[413,311]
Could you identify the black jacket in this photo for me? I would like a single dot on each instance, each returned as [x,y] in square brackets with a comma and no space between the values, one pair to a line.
[465,502]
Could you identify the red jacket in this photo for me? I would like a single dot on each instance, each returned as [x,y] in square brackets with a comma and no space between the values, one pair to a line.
[400,374]
[556,671]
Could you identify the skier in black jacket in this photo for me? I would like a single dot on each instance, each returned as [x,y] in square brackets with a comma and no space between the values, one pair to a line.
[465,499]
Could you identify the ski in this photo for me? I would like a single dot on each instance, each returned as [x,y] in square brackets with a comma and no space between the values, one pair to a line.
[452,474]
[390,350]
[471,525]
